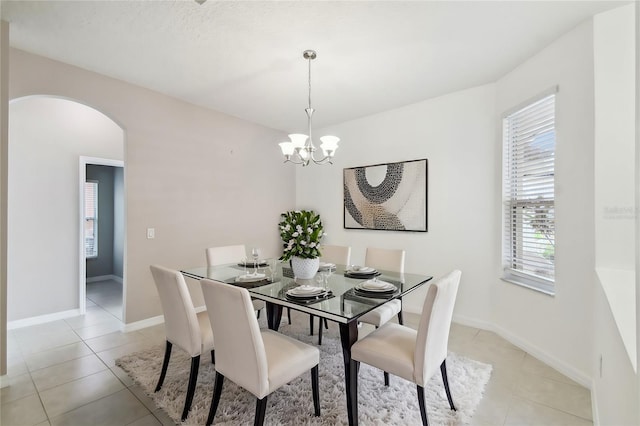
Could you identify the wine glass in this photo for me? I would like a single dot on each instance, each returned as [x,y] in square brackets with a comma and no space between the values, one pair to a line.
[255,253]
[273,266]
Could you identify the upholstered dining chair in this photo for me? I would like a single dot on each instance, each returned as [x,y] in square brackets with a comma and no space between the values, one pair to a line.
[184,328]
[410,354]
[340,255]
[260,361]
[231,254]
[386,260]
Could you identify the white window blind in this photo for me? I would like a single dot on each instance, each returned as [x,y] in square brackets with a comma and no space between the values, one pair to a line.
[529,141]
[91,218]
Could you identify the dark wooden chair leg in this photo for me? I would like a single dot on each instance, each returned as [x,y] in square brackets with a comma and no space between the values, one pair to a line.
[311,317]
[213,356]
[258,314]
[191,388]
[423,408]
[289,315]
[320,331]
[326,323]
[443,370]
[386,378]
[215,399]
[316,391]
[165,364]
[261,409]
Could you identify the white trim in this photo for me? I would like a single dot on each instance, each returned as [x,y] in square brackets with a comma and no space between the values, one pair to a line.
[4,381]
[139,325]
[104,278]
[25,322]
[564,368]
[595,414]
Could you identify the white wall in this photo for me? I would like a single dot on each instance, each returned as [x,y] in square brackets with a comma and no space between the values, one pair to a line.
[190,173]
[559,328]
[614,74]
[46,138]
[456,133]
[615,386]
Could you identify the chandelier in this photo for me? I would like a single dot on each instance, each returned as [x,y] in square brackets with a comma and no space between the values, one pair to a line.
[300,149]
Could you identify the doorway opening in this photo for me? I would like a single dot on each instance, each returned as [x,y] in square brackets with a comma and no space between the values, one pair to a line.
[102,233]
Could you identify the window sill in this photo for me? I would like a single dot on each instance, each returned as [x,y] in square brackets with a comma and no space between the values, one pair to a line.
[619,287]
[526,283]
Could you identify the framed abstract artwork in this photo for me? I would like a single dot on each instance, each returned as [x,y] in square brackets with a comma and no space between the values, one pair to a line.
[387,197]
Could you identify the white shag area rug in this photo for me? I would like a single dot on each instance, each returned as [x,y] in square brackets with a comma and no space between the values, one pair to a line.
[292,404]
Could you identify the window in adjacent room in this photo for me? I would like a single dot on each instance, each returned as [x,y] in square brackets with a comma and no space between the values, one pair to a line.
[529,144]
[91,218]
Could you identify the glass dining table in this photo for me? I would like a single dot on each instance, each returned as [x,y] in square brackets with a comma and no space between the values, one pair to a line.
[343,303]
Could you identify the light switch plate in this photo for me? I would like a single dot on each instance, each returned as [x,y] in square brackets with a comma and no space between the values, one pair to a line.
[151,233]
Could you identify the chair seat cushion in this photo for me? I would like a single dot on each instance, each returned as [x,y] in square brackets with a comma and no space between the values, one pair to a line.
[382,314]
[205,331]
[390,348]
[258,304]
[287,358]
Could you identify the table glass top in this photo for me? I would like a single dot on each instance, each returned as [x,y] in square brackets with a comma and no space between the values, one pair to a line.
[345,303]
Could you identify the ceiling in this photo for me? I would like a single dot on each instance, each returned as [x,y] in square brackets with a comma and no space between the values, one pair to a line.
[244,58]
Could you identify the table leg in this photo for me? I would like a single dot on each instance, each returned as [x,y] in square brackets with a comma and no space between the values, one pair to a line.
[348,336]
[274,314]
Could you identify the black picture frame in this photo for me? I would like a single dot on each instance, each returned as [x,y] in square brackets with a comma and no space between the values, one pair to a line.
[387,196]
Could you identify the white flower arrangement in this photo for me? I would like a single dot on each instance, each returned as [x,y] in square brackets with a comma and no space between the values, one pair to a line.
[301,232]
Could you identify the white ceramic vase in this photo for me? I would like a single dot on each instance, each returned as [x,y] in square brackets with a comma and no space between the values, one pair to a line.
[304,269]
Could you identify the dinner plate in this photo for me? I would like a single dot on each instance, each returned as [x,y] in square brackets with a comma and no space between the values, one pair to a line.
[308,295]
[248,278]
[306,290]
[249,264]
[361,270]
[376,286]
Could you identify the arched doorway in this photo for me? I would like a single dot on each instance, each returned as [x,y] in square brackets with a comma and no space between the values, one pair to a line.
[47,137]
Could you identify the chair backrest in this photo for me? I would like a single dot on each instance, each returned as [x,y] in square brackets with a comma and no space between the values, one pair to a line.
[385,259]
[180,318]
[225,254]
[340,255]
[433,330]
[240,351]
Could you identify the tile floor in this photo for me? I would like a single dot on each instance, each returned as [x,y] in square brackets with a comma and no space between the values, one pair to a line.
[108,295]
[63,373]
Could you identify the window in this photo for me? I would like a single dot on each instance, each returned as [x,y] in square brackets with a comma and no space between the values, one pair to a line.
[91,219]
[529,142]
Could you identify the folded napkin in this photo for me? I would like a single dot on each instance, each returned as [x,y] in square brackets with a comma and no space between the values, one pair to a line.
[377,285]
[251,277]
[327,265]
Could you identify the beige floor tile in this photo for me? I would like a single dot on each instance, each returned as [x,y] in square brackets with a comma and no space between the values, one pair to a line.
[113,340]
[16,366]
[57,355]
[98,330]
[40,329]
[94,315]
[534,366]
[148,420]
[527,413]
[163,418]
[494,406]
[19,387]
[68,371]
[110,355]
[47,340]
[572,399]
[69,396]
[24,411]
[142,397]
[120,408]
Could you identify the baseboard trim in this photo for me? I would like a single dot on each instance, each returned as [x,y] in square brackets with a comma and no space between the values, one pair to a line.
[594,403]
[139,325]
[104,278]
[25,322]
[4,381]
[569,371]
